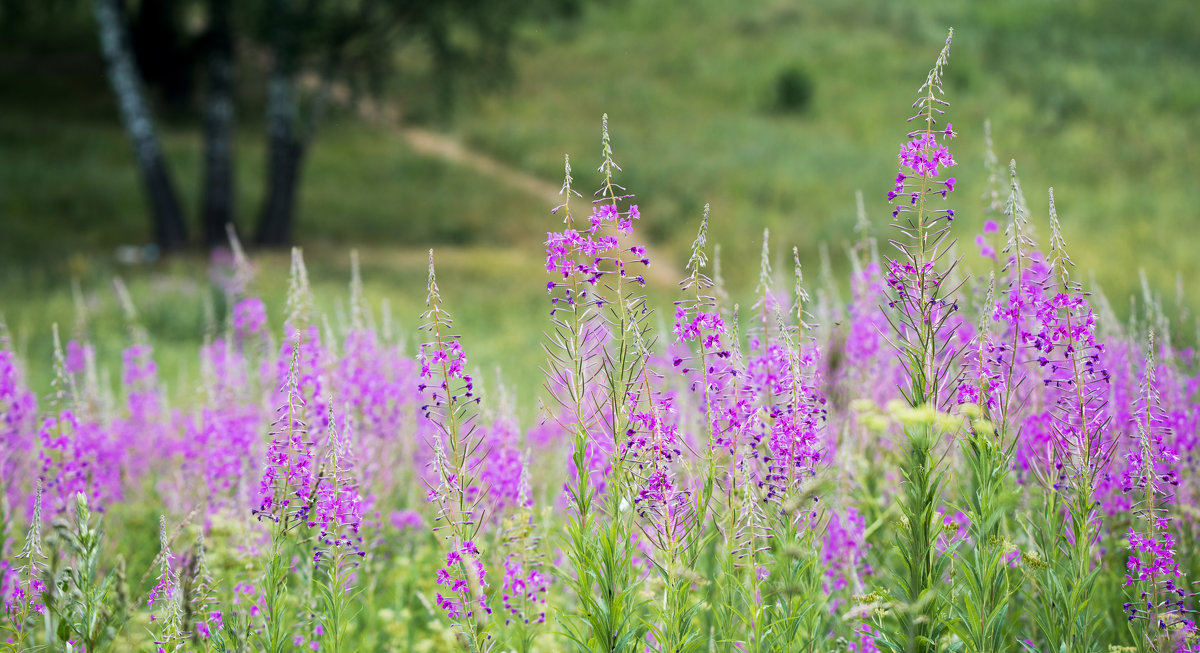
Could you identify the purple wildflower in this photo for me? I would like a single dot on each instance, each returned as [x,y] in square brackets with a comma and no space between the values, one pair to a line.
[18,433]
[22,594]
[407,520]
[249,319]
[451,407]
[337,506]
[1152,568]
[286,485]
[523,591]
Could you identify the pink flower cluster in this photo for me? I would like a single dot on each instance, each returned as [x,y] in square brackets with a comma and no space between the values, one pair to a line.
[922,155]
[523,590]
[584,253]
[458,601]
[707,327]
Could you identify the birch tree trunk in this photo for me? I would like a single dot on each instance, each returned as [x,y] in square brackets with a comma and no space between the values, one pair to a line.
[170,232]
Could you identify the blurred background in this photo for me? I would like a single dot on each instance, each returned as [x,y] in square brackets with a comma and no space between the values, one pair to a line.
[132,131]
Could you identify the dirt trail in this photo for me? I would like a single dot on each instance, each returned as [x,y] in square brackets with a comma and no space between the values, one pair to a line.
[437,145]
[440,146]
[662,272]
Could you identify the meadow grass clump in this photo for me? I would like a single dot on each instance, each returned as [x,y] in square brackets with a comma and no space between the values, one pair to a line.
[940,461]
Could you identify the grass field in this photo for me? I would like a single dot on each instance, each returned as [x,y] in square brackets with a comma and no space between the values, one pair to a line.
[1096,99]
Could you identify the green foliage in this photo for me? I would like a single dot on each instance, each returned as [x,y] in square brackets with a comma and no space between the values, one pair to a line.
[1065,610]
[88,605]
[794,88]
[694,125]
[983,610]
[916,621]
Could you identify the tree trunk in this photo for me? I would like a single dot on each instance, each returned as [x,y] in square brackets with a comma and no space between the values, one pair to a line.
[169,229]
[285,155]
[285,151]
[162,51]
[217,210]
[283,180]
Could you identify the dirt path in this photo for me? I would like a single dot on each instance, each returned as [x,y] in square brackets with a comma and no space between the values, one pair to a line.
[443,147]
[663,272]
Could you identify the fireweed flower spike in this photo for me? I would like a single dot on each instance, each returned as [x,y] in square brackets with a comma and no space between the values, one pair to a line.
[336,519]
[525,584]
[1158,612]
[286,485]
[793,446]
[23,601]
[652,446]
[669,518]
[807,399]
[284,500]
[337,506]
[168,596]
[768,364]
[1022,300]
[1074,378]
[451,406]
[18,433]
[698,321]
[594,366]
[1015,356]
[1082,441]
[921,305]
